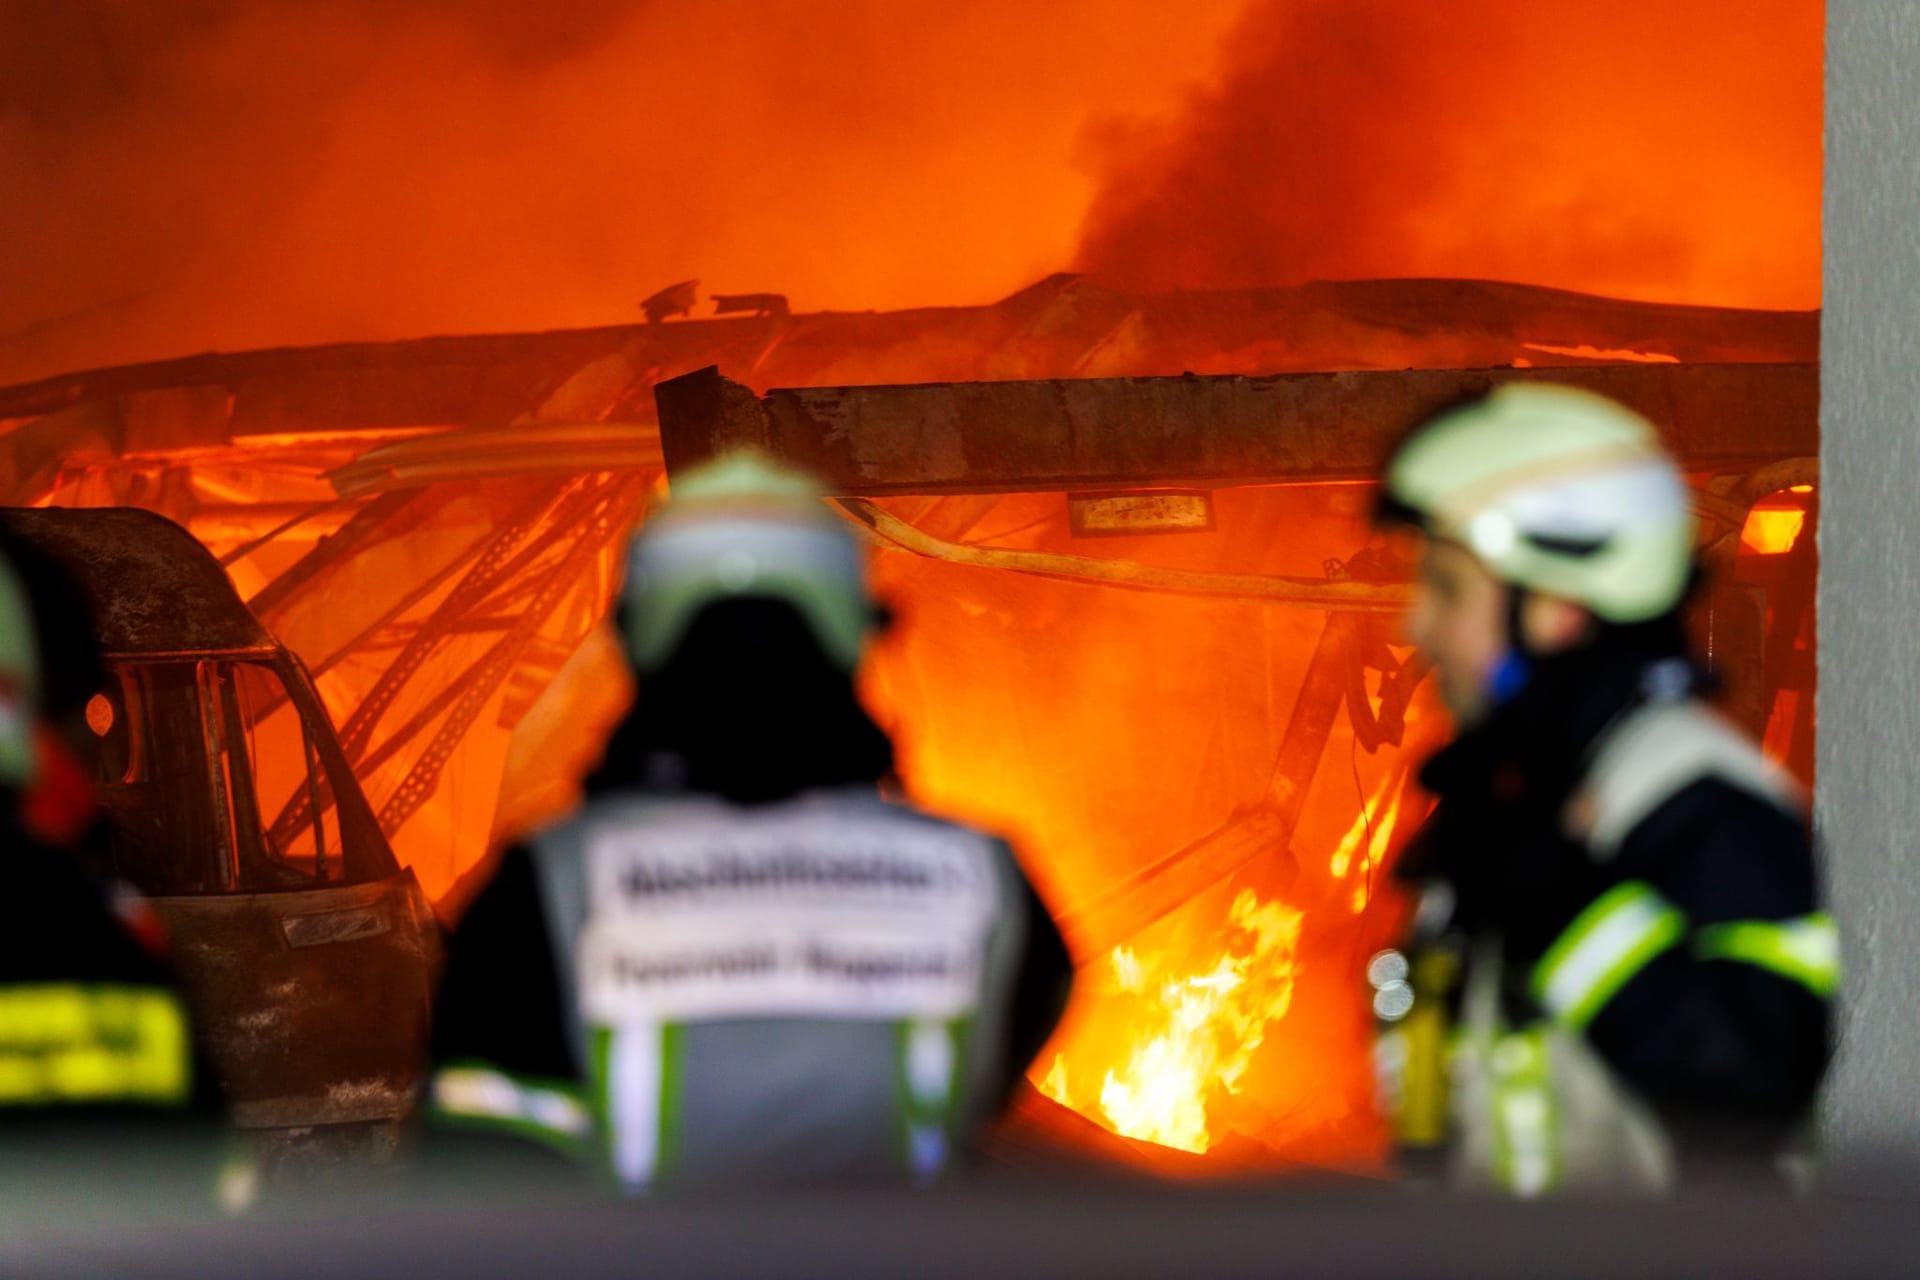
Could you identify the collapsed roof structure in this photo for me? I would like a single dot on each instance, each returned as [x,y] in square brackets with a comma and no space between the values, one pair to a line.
[434,527]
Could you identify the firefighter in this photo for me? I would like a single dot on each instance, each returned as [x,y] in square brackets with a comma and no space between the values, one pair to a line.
[102,1089]
[739,962]
[1629,883]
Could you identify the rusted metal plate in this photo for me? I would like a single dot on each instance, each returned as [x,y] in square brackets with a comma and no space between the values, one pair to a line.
[151,587]
[315,1003]
[1198,431]
[1135,511]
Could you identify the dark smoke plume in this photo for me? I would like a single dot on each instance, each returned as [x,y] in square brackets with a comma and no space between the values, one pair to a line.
[1664,149]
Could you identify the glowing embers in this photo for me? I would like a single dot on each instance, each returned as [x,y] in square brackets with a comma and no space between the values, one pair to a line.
[1610,355]
[1363,850]
[1772,530]
[1193,1022]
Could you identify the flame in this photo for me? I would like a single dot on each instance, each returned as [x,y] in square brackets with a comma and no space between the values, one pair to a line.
[1614,355]
[1055,1083]
[1372,827]
[1647,148]
[1772,531]
[1103,729]
[1200,1035]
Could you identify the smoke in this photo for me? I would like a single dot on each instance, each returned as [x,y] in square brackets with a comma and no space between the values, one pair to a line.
[1660,149]
[203,174]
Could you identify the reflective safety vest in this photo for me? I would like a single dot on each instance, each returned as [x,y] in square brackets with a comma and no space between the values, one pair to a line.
[1536,1109]
[93,1045]
[813,988]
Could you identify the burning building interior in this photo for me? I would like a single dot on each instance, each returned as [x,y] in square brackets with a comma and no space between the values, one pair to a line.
[1122,511]
[1146,627]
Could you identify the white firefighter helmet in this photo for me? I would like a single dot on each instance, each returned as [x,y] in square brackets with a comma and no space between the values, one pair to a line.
[1554,489]
[743,525]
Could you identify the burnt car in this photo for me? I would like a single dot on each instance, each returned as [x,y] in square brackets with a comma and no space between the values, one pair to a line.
[306,948]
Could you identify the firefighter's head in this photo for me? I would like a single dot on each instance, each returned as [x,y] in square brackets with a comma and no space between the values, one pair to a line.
[746,613]
[1551,516]
[744,528]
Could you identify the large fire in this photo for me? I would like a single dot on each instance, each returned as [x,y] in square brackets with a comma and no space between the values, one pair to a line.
[1645,148]
[1107,729]
[1189,1022]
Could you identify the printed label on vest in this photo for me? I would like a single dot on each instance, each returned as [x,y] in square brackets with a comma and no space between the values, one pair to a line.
[803,916]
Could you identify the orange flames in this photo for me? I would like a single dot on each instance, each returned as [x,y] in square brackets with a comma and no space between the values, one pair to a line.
[250,176]
[1105,729]
[1176,1033]
[1203,1029]
[1772,530]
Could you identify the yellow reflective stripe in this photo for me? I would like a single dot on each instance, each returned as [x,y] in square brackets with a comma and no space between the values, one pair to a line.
[1613,939]
[93,1044]
[1804,950]
[1526,1131]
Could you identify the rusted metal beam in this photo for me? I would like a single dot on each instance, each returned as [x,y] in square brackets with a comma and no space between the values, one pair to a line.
[1314,593]
[982,437]
[492,453]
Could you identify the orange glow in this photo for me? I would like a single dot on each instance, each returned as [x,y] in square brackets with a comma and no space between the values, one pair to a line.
[492,779]
[882,154]
[263,183]
[1103,729]
[1647,148]
[1371,829]
[1202,1029]
[268,186]
[1772,531]
[1612,355]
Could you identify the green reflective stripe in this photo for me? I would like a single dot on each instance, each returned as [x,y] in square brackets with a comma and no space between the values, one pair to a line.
[1804,950]
[1613,939]
[599,1069]
[637,1082]
[69,1044]
[673,1089]
[476,1096]
[961,1029]
[927,1063]
[1526,1131]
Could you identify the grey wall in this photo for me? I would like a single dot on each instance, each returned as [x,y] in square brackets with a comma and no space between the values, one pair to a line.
[1868,802]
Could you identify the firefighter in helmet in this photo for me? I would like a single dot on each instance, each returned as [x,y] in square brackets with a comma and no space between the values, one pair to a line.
[102,1090]
[739,962]
[1629,883]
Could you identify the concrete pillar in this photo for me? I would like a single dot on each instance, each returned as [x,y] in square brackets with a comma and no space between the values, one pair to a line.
[1868,802]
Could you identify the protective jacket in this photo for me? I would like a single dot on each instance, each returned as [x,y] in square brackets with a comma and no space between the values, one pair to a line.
[103,1090]
[1648,970]
[680,990]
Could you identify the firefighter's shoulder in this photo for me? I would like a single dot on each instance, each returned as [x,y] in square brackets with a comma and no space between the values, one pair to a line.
[1664,750]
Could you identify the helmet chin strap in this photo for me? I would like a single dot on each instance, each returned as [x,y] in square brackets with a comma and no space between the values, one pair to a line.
[1514,670]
